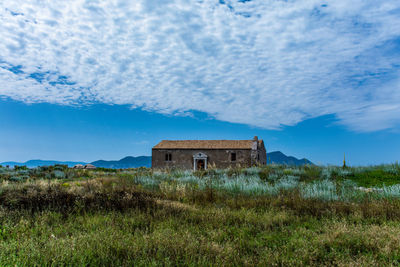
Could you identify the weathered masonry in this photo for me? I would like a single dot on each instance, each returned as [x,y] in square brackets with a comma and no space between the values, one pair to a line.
[201,154]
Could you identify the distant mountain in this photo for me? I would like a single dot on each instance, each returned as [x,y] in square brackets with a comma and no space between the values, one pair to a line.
[278,157]
[127,162]
[37,162]
[275,157]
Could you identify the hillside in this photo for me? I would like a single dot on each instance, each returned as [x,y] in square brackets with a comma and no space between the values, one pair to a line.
[278,157]
[127,162]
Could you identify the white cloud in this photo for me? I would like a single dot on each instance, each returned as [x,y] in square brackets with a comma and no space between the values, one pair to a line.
[265,63]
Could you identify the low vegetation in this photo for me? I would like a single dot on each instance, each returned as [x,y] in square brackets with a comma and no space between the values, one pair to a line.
[273,215]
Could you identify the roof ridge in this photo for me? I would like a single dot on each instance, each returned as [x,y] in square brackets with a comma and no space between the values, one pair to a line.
[210,140]
[205,144]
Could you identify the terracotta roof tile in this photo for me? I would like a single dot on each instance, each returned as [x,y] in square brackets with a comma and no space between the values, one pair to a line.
[205,144]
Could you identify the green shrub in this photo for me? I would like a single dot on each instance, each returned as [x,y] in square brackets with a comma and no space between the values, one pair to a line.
[200,173]
[60,167]
[16,167]
[234,171]
[18,178]
[58,174]
[264,173]
[102,169]
[375,177]
[310,173]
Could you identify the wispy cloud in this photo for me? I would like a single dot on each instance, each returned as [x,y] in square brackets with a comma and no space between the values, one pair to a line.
[265,63]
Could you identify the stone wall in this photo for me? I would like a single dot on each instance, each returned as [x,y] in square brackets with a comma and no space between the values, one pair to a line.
[183,158]
[263,155]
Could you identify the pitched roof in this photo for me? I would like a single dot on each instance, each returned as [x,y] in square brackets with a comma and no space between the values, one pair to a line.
[90,166]
[205,144]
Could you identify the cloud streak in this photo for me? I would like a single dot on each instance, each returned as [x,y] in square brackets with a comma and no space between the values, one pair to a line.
[263,63]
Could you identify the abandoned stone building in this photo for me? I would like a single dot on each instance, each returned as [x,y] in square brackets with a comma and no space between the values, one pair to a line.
[201,154]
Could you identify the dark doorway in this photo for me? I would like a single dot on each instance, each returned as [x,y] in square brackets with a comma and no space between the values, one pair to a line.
[200,164]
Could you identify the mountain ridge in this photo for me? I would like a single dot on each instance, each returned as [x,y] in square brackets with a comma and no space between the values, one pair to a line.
[38,162]
[126,162]
[275,157]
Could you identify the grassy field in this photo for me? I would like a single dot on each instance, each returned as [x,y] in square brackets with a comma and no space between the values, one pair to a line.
[275,215]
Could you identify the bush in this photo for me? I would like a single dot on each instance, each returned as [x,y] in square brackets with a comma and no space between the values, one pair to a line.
[58,174]
[264,173]
[376,176]
[58,197]
[200,173]
[60,167]
[310,173]
[16,167]
[234,171]
[18,178]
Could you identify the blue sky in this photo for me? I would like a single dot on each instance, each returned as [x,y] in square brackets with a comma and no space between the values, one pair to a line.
[87,79]
[48,131]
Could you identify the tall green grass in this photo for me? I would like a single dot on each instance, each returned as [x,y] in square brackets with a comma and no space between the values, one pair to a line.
[324,183]
[259,216]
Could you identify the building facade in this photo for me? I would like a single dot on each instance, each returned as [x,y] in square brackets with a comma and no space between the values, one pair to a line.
[201,154]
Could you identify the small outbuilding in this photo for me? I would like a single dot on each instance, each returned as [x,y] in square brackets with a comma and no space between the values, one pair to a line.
[78,166]
[90,167]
